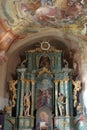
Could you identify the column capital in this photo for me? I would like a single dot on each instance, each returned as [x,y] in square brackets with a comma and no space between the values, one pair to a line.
[61,81]
[22,80]
[56,81]
[66,80]
[27,80]
[33,81]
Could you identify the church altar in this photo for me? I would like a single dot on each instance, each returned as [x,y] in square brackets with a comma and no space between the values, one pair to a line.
[44,96]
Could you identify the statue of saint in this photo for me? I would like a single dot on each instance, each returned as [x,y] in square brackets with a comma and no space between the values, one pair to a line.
[61,104]
[27,103]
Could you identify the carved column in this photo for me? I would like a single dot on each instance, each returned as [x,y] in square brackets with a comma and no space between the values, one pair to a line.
[21,98]
[56,96]
[18,98]
[22,81]
[62,86]
[67,96]
[32,98]
[27,81]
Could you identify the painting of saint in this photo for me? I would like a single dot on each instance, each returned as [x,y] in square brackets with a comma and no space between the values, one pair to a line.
[44,117]
[44,99]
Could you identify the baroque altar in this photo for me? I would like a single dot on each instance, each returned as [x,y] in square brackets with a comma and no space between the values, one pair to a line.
[44,96]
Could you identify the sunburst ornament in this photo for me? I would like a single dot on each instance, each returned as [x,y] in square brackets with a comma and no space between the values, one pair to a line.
[45,45]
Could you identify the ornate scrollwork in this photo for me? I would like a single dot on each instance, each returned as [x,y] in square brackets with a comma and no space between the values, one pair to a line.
[45,70]
[23,63]
[12,121]
[77,88]
[79,109]
[7,109]
[12,88]
[45,45]
[64,123]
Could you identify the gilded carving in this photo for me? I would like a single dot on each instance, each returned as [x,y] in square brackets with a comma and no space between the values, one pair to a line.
[45,47]
[12,88]
[12,121]
[77,88]
[27,123]
[23,81]
[33,81]
[79,109]
[52,49]
[8,109]
[45,70]
[66,123]
[62,123]
[67,80]
[56,81]
[21,123]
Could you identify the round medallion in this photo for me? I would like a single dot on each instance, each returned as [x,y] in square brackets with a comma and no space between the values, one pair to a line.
[45,46]
[21,123]
[27,123]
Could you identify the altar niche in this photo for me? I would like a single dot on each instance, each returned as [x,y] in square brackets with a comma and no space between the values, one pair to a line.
[45,93]
[44,118]
[44,62]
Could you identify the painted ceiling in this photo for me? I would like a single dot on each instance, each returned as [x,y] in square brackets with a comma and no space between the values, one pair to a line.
[22,18]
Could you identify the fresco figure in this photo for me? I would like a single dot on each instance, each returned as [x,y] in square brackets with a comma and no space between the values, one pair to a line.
[46,2]
[61,4]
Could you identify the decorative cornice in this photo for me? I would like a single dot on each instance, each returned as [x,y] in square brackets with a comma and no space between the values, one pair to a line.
[45,70]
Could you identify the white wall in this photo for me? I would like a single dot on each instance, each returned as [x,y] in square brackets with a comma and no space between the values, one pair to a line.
[3,102]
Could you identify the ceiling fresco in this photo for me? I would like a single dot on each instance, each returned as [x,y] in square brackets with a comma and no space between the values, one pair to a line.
[23,17]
